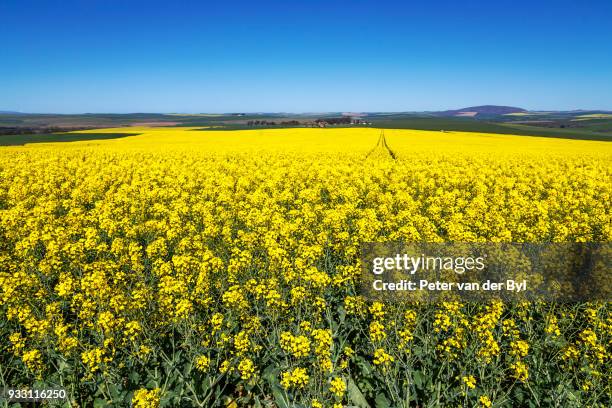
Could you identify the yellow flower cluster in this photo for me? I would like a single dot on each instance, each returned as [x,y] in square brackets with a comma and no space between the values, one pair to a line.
[337,386]
[202,363]
[144,398]
[298,346]
[382,358]
[296,378]
[469,381]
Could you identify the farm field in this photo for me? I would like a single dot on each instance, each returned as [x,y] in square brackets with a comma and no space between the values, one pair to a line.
[185,267]
[19,128]
[593,128]
[17,140]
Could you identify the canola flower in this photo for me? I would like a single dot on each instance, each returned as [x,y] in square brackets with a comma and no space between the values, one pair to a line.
[485,401]
[337,387]
[226,266]
[144,398]
[296,378]
[469,381]
[202,363]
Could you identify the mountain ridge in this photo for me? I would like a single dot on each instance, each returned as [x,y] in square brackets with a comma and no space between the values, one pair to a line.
[482,110]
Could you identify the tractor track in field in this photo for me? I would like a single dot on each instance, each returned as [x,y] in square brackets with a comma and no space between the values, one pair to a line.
[381,144]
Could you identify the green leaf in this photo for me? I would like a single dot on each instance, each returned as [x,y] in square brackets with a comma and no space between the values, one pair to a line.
[382,401]
[100,403]
[417,351]
[417,377]
[279,396]
[341,314]
[134,377]
[171,398]
[518,395]
[355,395]
[187,369]
[364,365]
[271,376]
[114,392]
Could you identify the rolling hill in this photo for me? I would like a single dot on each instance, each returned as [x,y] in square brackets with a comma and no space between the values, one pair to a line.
[483,110]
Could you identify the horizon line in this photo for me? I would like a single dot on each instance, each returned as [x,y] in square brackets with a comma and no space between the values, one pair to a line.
[9,111]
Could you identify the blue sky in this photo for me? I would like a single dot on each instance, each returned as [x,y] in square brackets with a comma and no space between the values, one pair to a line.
[303,56]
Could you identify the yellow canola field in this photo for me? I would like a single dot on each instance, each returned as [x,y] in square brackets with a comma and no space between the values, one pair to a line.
[194,267]
[330,140]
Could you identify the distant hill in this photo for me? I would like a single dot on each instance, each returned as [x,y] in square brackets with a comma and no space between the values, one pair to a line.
[10,113]
[484,110]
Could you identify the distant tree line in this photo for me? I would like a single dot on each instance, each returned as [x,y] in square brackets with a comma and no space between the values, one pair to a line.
[39,130]
[261,123]
[273,123]
[344,120]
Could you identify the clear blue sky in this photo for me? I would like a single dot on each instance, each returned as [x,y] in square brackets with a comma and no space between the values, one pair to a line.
[303,56]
